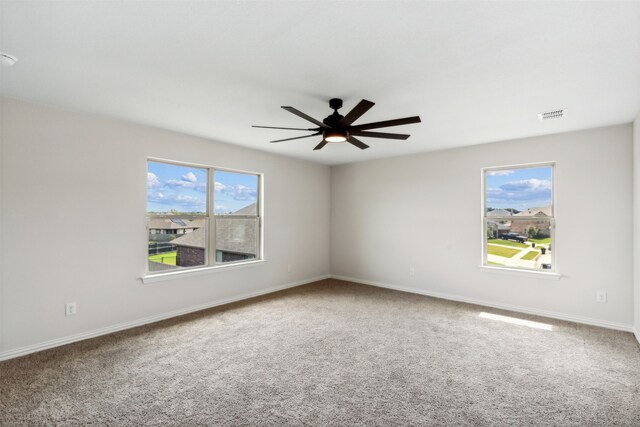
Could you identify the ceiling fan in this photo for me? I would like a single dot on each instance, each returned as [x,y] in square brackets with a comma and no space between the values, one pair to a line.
[338,128]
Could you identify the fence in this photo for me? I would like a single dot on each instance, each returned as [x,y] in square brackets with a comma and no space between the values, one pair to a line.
[160,248]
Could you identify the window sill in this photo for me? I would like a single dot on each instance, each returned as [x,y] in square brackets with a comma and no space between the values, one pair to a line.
[521,273]
[152,278]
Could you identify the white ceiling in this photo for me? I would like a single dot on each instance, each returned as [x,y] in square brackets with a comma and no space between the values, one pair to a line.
[474,71]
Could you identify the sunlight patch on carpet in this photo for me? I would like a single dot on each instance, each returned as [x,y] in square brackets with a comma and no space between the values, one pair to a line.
[516,321]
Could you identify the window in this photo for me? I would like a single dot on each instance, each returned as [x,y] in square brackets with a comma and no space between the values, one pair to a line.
[200,216]
[236,216]
[518,217]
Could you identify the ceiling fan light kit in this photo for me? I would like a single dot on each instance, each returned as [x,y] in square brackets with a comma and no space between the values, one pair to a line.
[338,128]
[335,136]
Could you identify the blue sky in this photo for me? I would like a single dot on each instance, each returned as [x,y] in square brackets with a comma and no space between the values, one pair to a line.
[234,191]
[184,189]
[519,188]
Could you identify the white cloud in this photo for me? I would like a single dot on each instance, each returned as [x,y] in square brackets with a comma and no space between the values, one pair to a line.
[152,180]
[218,186]
[500,173]
[190,177]
[181,183]
[190,200]
[523,192]
[156,196]
[188,180]
[527,185]
[188,203]
[240,192]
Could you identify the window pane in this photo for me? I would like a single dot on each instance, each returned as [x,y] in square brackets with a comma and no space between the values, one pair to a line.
[176,243]
[236,238]
[176,189]
[513,191]
[235,193]
[524,241]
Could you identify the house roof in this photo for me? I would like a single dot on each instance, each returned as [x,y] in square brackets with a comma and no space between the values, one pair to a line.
[499,212]
[174,224]
[195,239]
[543,211]
[232,234]
[247,210]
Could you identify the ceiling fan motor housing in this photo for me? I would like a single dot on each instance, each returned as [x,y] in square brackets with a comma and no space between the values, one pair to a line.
[335,103]
[333,120]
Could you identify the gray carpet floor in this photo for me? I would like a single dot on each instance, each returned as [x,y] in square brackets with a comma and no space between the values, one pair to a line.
[332,353]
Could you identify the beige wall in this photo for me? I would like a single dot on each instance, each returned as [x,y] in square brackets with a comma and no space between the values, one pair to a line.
[66,175]
[73,194]
[423,211]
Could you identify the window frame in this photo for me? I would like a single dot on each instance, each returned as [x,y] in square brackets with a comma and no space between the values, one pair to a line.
[552,219]
[257,216]
[210,222]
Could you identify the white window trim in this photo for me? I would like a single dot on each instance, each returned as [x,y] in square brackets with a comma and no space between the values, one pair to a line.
[553,274]
[199,271]
[210,255]
[520,272]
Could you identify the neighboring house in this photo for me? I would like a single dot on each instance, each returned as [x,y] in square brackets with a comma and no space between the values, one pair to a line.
[539,219]
[190,249]
[499,227]
[499,212]
[236,239]
[546,211]
[166,229]
[162,233]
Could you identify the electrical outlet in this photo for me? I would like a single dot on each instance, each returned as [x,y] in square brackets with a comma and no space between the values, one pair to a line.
[289,268]
[70,309]
[412,271]
[601,296]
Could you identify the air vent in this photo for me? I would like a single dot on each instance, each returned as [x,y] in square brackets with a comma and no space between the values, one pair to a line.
[554,114]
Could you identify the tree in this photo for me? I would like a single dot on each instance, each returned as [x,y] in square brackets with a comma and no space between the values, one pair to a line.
[490,233]
[532,231]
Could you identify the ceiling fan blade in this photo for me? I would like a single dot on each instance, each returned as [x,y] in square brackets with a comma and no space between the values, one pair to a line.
[361,145]
[380,134]
[274,127]
[322,144]
[387,123]
[353,115]
[304,116]
[297,137]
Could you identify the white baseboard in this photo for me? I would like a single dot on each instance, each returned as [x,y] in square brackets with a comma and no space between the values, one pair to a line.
[22,351]
[520,309]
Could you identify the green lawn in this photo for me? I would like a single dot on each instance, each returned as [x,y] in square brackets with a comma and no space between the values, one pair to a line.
[508,243]
[530,255]
[494,263]
[164,258]
[544,241]
[501,251]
